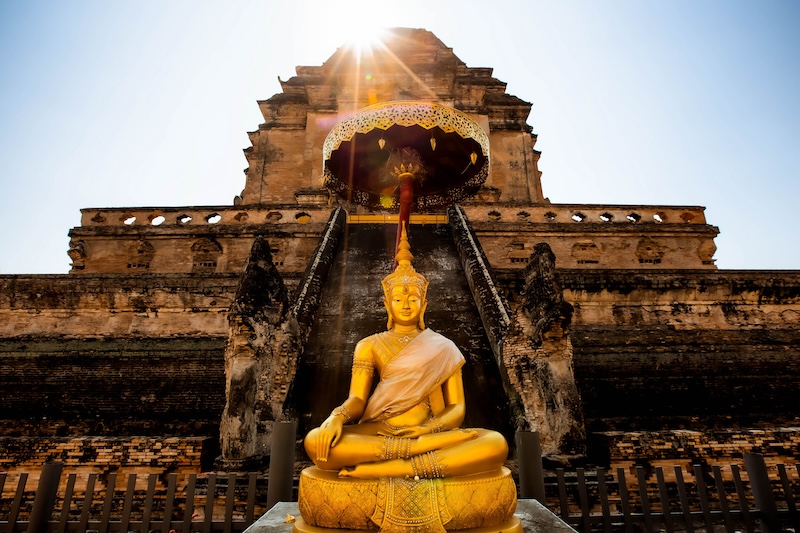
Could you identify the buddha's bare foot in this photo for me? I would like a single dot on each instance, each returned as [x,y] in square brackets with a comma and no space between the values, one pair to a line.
[393,468]
[438,441]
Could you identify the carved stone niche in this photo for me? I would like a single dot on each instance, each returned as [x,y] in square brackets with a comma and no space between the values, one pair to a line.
[650,252]
[586,253]
[205,253]
[141,255]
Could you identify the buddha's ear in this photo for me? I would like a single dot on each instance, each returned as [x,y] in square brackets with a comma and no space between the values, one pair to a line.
[389,322]
[422,315]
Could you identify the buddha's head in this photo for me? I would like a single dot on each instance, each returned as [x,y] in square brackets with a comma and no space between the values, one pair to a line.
[405,290]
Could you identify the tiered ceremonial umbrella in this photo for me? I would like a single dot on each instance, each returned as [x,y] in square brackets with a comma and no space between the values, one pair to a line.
[401,156]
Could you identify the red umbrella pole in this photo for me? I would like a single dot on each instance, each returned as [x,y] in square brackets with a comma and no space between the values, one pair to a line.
[406,199]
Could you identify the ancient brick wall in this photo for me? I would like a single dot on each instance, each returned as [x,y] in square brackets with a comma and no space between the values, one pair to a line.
[112,355]
[97,455]
[686,447]
[111,386]
[147,305]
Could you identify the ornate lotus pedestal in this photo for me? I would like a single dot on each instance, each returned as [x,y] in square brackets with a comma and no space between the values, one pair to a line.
[476,503]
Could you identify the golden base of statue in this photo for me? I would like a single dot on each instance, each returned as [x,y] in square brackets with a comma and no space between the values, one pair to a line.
[460,503]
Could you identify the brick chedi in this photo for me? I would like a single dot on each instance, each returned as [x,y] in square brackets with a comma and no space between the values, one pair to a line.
[607,327]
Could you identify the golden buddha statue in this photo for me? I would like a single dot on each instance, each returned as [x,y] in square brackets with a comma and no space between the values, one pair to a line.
[407,432]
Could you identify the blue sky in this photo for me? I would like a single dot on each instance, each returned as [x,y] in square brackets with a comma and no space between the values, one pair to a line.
[637,102]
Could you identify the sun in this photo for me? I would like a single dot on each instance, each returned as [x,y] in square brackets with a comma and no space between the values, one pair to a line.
[356,24]
[365,38]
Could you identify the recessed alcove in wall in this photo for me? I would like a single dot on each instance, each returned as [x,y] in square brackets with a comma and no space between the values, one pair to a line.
[205,255]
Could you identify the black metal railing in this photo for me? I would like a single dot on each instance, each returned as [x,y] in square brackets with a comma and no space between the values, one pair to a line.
[704,500]
[227,503]
[752,499]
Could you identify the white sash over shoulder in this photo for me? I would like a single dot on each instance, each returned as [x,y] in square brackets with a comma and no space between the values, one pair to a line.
[427,362]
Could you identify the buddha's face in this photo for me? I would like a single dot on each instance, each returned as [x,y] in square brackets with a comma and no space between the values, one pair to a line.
[406,305]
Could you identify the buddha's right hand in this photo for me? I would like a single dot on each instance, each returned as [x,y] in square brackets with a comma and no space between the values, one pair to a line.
[328,436]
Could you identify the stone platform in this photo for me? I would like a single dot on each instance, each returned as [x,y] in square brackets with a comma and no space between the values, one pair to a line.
[535,518]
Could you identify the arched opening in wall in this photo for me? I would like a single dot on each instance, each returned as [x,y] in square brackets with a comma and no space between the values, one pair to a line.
[523,216]
[157,220]
[303,218]
[494,216]
[660,217]
[550,216]
[578,217]
[241,217]
[213,218]
[687,216]
[184,219]
[205,255]
[274,216]
[634,217]
[141,255]
[98,218]
[128,219]
[606,217]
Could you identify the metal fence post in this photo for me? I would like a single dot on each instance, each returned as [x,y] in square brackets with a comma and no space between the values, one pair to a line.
[281,463]
[529,462]
[45,499]
[762,492]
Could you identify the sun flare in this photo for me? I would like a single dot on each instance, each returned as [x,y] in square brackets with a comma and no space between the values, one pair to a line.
[356,24]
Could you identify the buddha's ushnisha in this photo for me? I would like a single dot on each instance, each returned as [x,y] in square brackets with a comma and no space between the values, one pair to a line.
[409,426]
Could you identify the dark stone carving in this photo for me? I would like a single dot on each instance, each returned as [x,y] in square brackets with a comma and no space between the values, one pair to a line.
[537,353]
[266,336]
[542,297]
[261,295]
[255,316]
